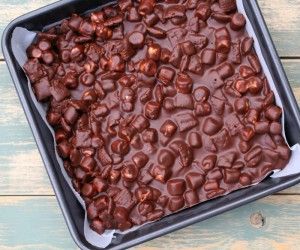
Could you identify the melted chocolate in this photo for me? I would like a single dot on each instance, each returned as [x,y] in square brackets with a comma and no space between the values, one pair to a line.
[156,106]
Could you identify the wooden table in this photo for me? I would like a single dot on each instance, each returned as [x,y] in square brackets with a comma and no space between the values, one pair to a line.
[29,214]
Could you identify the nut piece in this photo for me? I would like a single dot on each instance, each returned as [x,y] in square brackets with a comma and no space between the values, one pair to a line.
[152,110]
[120,147]
[140,159]
[201,94]
[227,5]
[146,7]
[195,140]
[188,48]
[273,113]
[238,21]
[208,56]
[247,45]
[130,172]
[136,39]
[148,67]
[154,52]
[203,11]
[184,83]
[168,128]
[194,180]
[166,75]
[241,105]
[211,126]
[176,186]
[150,135]
[165,158]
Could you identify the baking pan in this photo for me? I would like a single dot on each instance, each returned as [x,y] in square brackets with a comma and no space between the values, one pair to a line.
[72,210]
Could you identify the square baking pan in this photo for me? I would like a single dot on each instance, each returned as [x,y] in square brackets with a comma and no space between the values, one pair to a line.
[71,208]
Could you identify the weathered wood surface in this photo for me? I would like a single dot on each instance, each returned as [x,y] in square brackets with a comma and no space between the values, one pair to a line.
[36,223]
[29,214]
[282,17]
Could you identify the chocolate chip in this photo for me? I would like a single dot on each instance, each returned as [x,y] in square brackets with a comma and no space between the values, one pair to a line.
[275,128]
[203,11]
[223,44]
[208,56]
[203,109]
[254,62]
[262,127]
[146,7]
[247,45]
[246,71]
[152,110]
[201,94]
[166,75]
[238,21]
[188,48]
[211,126]
[140,159]
[42,89]
[161,174]
[150,135]
[195,140]
[165,158]
[129,172]
[184,151]
[133,15]
[241,105]
[148,67]
[184,83]
[176,186]
[194,180]
[136,39]
[120,147]
[227,5]
[168,128]
[156,32]
[273,113]
[176,203]
[185,121]
[154,52]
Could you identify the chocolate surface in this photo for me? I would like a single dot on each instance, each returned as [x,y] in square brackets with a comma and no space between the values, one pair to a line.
[156,106]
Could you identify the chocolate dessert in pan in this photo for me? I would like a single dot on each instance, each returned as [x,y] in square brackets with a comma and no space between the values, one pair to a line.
[156,106]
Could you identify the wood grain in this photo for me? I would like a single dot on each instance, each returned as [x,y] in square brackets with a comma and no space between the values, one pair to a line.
[37,223]
[283,20]
[22,169]
[29,214]
[282,17]
[20,163]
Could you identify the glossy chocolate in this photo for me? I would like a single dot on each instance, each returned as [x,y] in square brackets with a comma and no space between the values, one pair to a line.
[156,106]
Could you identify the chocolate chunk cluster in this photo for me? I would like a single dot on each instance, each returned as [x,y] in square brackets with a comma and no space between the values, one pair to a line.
[156,106]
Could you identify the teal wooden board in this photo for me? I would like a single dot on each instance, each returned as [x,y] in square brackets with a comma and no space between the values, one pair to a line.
[20,163]
[37,223]
[29,214]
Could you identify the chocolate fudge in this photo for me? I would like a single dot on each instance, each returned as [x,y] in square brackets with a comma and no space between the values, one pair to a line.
[156,106]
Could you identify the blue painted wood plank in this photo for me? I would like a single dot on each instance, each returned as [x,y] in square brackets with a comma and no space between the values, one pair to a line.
[37,223]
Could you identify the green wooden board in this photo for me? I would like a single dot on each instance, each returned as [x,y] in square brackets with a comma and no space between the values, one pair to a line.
[37,223]
[29,214]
